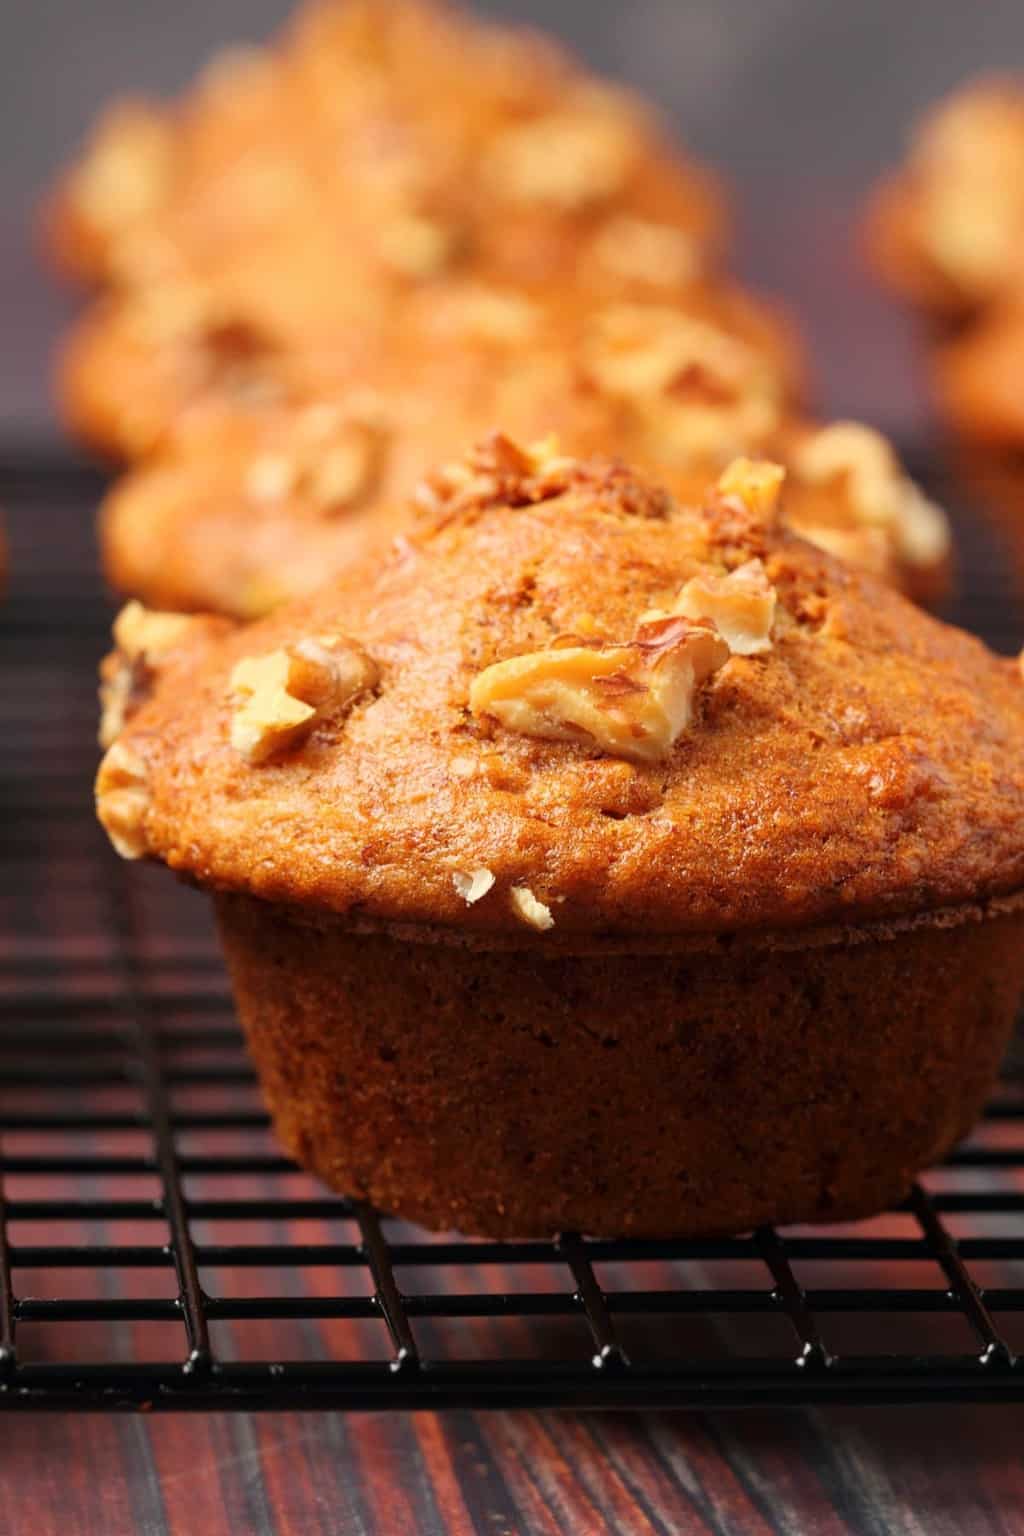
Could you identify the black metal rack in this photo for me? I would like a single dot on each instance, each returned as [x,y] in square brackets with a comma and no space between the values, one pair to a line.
[156,1251]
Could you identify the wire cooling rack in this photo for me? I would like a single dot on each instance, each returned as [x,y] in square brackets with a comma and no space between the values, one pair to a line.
[157,1251]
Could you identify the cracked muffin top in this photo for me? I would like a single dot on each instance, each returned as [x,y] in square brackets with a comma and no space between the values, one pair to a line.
[565,705]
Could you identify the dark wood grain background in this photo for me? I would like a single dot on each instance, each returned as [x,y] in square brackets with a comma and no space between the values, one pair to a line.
[879,1472]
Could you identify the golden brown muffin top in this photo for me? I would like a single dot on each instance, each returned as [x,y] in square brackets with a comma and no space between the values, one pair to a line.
[565,705]
[378,143]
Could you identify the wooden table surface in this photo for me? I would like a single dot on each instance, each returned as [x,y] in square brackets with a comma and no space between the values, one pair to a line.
[878,1472]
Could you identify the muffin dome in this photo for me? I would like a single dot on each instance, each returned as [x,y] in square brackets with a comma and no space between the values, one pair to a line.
[563,704]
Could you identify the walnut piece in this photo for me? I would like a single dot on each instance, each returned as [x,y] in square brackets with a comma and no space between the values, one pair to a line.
[489,315]
[756,484]
[526,905]
[280,696]
[741,605]
[643,252]
[474,885]
[497,472]
[416,246]
[333,468]
[881,495]
[632,700]
[143,638]
[127,167]
[566,160]
[701,392]
[123,799]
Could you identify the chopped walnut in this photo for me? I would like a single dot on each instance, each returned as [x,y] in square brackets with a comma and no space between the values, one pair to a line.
[416,246]
[127,168]
[142,639]
[280,696]
[756,484]
[741,605]
[346,470]
[497,472]
[123,799]
[922,529]
[643,252]
[176,310]
[474,885]
[271,477]
[880,493]
[332,475]
[568,160]
[526,905]
[490,315]
[701,392]
[632,700]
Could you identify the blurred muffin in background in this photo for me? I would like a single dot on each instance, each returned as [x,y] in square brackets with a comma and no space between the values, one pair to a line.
[246,506]
[946,232]
[379,148]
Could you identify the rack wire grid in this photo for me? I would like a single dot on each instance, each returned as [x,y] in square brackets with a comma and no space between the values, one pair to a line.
[157,1251]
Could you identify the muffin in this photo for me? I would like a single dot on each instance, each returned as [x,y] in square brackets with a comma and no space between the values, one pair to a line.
[399,134]
[139,369]
[248,505]
[593,862]
[946,232]
[384,148]
[946,228]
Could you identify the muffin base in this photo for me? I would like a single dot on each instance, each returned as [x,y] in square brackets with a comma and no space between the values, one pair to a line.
[700,1088]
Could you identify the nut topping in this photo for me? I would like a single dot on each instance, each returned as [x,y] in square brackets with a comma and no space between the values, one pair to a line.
[497,472]
[280,696]
[641,251]
[536,913]
[333,470]
[565,160]
[632,700]
[126,170]
[142,639]
[123,799]
[472,886]
[741,605]
[756,484]
[416,246]
[881,495]
[701,391]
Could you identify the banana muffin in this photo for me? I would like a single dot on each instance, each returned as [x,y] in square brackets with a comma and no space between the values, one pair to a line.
[593,862]
[946,231]
[399,136]
[383,148]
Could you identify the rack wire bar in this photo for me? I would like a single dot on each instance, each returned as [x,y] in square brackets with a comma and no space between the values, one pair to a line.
[157,1250]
